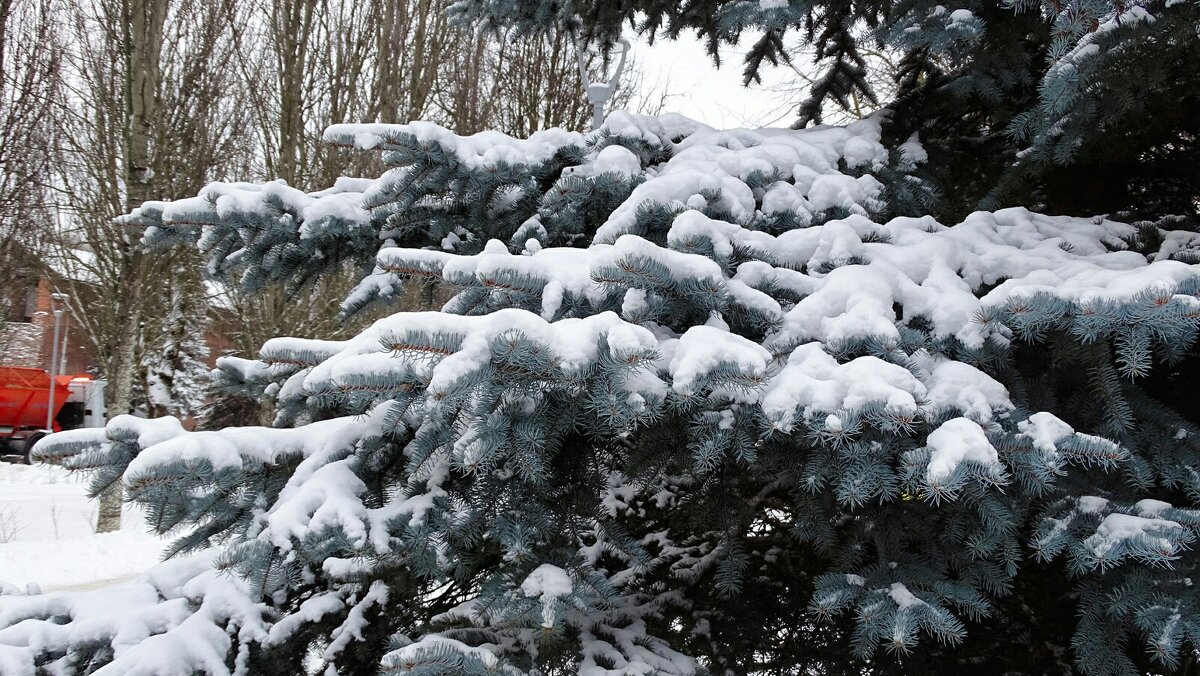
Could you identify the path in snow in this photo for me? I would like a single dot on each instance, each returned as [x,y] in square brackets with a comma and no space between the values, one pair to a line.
[48,538]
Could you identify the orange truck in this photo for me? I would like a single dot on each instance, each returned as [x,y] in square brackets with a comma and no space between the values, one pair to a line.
[25,398]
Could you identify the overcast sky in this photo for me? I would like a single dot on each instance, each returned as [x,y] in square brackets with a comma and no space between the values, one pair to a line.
[715,97]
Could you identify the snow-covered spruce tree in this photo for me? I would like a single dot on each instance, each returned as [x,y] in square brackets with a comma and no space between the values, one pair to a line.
[699,404]
[1082,106]
[175,369]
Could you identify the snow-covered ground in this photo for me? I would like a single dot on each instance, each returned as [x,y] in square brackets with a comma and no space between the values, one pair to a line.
[48,538]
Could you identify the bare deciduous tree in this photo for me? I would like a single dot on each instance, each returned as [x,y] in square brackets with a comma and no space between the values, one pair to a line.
[30,84]
[148,113]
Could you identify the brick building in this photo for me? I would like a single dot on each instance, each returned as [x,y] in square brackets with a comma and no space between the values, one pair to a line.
[28,334]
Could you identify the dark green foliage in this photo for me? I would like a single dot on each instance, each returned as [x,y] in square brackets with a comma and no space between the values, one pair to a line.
[1074,108]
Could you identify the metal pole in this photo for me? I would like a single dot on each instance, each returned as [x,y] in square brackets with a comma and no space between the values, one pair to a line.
[53,372]
[597,115]
[62,351]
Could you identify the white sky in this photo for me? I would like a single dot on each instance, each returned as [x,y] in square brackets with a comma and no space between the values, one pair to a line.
[714,96]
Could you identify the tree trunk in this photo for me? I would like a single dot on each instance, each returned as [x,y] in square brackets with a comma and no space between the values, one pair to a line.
[294,32]
[143,46]
[108,519]
[119,390]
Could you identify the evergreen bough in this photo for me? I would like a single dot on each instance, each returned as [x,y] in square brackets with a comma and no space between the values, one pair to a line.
[1075,106]
[703,401]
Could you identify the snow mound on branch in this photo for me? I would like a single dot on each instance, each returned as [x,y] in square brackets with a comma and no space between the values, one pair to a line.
[446,349]
[705,349]
[484,149]
[813,381]
[617,159]
[803,164]
[1046,430]
[547,581]
[1119,529]
[955,386]
[234,447]
[171,621]
[959,441]
[549,584]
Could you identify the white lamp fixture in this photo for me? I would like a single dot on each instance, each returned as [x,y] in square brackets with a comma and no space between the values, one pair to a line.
[599,93]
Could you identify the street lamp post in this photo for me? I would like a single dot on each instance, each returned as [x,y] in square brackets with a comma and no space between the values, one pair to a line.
[54,359]
[600,92]
[62,349]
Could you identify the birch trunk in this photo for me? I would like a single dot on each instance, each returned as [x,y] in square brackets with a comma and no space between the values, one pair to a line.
[143,35]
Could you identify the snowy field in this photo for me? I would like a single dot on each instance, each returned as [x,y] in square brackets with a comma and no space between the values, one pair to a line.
[48,538]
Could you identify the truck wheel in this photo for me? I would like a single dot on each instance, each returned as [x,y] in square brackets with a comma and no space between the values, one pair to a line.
[29,442]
